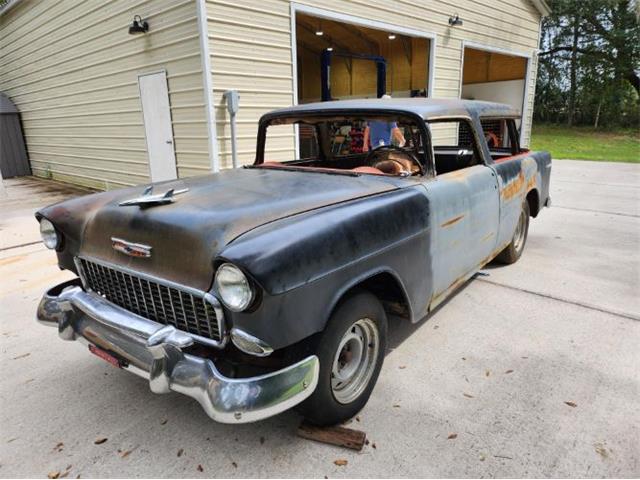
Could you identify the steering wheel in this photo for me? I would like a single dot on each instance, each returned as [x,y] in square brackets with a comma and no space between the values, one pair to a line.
[369,160]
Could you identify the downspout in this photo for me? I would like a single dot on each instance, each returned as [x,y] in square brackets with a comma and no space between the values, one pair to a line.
[207,85]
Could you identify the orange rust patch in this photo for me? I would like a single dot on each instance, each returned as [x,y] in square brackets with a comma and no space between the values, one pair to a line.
[452,221]
[513,188]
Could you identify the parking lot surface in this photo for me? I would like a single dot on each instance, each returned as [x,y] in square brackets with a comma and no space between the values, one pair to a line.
[531,369]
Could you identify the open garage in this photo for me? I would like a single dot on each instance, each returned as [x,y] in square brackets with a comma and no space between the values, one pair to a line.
[339,60]
[494,76]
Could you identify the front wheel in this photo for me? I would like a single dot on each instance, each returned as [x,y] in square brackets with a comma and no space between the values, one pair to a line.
[351,350]
[514,250]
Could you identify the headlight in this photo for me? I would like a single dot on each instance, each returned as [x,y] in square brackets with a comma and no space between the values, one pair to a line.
[50,236]
[233,287]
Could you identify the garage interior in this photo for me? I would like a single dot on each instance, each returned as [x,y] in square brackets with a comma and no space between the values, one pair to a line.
[355,57]
[494,77]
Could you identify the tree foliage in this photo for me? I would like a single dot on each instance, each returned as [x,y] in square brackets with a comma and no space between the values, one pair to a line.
[589,63]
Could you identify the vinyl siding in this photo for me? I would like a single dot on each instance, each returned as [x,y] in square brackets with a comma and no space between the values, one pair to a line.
[72,70]
[250,50]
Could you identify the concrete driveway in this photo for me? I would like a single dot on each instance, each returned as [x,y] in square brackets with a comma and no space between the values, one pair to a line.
[529,370]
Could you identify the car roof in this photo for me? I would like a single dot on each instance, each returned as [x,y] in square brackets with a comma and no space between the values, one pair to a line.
[427,108]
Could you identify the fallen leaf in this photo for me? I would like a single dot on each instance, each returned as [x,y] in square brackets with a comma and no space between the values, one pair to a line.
[54,475]
[487,373]
[357,419]
[402,367]
[452,436]
[261,440]
[341,462]
[126,453]
[21,356]
[571,404]
[12,440]
[100,440]
[467,395]
[374,445]
[482,458]
[199,468]
[164,422]
[464,358]
[366,441]
[508,371]
[235,465]
[524,358]
[59,447]
[180,452]
[601,450]
[435,327]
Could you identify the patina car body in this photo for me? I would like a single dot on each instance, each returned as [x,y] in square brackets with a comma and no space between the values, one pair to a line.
[306,236]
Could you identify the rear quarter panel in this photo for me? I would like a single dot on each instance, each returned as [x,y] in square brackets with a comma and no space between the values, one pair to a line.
[517,177]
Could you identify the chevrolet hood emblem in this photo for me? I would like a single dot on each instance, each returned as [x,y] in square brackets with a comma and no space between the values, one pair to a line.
[137,250]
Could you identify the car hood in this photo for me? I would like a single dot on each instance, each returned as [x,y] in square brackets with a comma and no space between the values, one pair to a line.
[186,236]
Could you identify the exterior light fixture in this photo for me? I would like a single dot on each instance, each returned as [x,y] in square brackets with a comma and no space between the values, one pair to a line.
[319,31]
[392,36]
[455,20]
[138,26]
[329,49]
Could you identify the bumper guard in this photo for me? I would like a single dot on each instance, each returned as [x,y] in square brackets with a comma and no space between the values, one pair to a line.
[154,351]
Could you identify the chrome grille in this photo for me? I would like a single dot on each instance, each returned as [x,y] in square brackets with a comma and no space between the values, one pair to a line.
[161,303]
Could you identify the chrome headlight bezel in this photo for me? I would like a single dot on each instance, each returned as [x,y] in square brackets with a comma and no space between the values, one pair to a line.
[50,235]
[233,288]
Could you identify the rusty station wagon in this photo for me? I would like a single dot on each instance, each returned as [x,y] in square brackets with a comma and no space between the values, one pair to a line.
[258,289]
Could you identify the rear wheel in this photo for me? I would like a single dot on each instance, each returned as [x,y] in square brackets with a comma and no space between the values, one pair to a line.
[351,351]
[514,250]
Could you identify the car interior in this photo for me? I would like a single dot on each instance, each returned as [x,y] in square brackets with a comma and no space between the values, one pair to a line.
[380,145]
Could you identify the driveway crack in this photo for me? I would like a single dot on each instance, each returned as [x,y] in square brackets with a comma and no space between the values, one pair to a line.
[629,316]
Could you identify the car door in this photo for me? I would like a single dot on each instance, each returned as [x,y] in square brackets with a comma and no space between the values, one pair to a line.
[465,213]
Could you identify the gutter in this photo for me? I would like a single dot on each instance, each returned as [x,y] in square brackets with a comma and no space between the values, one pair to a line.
[6,5]
[207,85]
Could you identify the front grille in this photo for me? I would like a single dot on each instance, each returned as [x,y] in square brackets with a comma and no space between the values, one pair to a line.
[161,303]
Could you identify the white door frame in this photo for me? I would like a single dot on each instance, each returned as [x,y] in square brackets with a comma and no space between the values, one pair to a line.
[363,22]
[504,51]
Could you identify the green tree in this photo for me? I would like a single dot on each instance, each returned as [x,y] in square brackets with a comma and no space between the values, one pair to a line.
[590,62]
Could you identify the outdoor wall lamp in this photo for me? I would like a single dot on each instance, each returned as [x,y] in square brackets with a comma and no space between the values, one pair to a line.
[455,20]
[138,26]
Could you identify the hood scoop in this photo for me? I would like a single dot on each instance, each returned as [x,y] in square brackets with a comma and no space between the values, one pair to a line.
[149,199]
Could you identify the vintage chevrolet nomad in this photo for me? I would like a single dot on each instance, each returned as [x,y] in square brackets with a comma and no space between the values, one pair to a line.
[262,288]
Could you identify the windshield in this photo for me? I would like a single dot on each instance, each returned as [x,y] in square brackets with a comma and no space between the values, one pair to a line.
[374,144]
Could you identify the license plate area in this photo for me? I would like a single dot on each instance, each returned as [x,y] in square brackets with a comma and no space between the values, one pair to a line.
[106,356]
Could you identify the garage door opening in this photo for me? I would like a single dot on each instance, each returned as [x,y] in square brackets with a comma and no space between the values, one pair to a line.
[494,77]
[338,60]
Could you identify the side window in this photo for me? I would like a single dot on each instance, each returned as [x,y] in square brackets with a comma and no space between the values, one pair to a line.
[454,146]
[501,136]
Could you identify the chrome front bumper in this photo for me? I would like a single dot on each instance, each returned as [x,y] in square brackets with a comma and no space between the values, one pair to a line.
[154,351]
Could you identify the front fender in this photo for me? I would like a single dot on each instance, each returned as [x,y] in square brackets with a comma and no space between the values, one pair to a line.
[305,263]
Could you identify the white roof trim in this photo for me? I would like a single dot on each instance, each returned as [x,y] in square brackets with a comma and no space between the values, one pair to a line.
[542,7]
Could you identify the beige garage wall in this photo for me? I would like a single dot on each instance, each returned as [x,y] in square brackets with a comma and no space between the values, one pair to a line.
[250,49]
[72,68]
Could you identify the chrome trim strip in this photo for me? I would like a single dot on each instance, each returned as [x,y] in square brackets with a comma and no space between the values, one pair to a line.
[155,352]
[206,296]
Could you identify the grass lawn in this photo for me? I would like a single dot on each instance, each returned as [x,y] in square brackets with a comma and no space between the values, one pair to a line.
[584,143]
